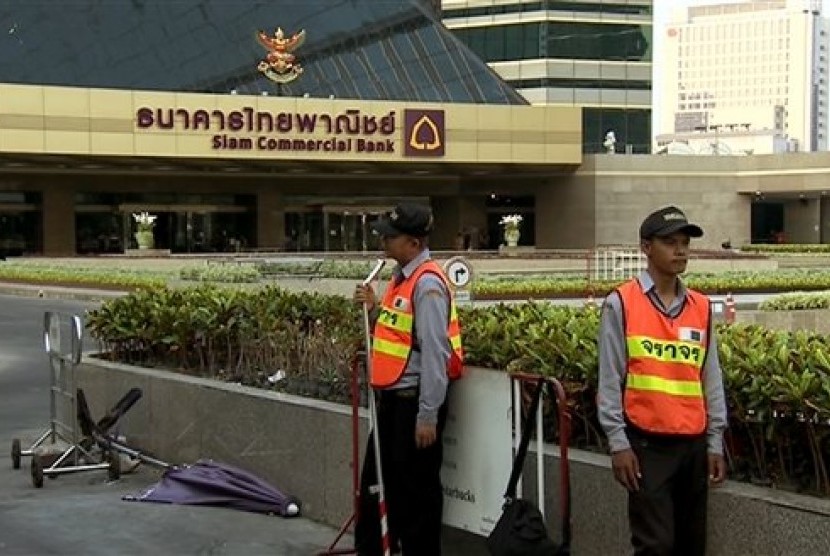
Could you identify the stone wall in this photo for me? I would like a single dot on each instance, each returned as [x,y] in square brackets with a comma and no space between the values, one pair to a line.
[606,197]
[817,320]
[303,447]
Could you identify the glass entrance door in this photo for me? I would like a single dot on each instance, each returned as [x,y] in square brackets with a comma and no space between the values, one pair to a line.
[350,230]
[333,228]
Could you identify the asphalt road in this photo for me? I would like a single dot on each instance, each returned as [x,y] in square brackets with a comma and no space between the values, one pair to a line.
[83,514]
[24,365]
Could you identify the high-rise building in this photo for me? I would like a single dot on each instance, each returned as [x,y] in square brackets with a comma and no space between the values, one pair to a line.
[746,77]
[595,54]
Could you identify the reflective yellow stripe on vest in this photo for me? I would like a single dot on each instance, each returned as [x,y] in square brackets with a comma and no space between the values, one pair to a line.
[691,388]
[687,353]
[390,348]
[396,320]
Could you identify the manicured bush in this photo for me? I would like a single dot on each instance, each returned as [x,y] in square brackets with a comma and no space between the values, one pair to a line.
[711,283]
[796,301]
[231,334]
[228,273]
[787,248]
[63,275]
[777,383]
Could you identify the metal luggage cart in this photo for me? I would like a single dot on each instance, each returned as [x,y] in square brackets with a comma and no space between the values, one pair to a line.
[63,341]
[556,392]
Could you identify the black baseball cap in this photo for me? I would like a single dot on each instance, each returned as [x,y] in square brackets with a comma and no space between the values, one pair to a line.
[666,221]
[407,218]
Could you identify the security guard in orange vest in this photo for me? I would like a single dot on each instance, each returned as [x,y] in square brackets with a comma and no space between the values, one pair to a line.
[416,353]
[661,400]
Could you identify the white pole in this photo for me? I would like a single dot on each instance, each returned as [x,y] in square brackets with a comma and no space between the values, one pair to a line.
[373,415]
[540,456]
[517,424]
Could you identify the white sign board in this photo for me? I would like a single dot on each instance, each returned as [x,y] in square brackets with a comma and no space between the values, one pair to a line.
[463,297]
[458,271]
[478,454]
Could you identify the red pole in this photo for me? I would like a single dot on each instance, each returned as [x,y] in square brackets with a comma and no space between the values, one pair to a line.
[355,388]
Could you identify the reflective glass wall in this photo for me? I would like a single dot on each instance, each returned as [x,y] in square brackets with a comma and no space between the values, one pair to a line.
[361,49]
[184,223]
[558,39]
[20,223]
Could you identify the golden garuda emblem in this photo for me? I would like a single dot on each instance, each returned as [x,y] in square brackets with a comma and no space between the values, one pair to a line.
[280,64]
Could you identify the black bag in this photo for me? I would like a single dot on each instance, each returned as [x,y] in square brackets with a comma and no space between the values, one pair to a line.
[521,530]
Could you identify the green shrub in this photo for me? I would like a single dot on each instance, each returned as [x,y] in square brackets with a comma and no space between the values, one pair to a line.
[787,248]
[777,383]
[227,273]
[711,283]
[231,334]
[91,277]
[796,301]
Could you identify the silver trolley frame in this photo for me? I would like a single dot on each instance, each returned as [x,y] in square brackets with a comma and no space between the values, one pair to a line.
[64,357]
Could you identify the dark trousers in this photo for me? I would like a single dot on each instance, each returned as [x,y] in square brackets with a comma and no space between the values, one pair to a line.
[668,514]
[412,483]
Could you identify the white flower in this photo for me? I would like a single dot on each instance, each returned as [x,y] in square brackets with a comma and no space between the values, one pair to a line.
[145,220]
[511,220]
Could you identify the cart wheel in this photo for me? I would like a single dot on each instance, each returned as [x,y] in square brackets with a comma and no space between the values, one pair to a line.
[16,453]
[37,471]
[114,470]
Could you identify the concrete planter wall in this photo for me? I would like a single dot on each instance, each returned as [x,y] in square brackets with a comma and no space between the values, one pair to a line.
[817,320]
[303,446]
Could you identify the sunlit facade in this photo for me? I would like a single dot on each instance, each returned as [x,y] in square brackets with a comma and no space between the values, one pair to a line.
[747,77]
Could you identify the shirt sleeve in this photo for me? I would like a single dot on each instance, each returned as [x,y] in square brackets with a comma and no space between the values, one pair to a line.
[715,397]
[432,301]
[612,372]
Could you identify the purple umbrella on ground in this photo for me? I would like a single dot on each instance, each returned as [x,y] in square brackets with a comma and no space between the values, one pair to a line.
[209,483]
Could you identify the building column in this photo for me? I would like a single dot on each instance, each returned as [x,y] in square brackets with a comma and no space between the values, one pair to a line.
[802,221]
[566,215]
[58,214]
[270,219]
[454,215]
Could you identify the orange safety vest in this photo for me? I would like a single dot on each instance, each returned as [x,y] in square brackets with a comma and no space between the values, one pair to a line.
[663,385]
[393,338]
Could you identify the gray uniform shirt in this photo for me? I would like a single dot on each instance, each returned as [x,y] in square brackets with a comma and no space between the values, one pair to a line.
[613,364]
[427,367]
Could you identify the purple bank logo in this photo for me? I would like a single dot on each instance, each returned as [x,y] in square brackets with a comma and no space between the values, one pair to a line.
[423,133]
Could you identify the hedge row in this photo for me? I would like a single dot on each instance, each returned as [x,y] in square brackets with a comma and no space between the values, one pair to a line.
[777,383]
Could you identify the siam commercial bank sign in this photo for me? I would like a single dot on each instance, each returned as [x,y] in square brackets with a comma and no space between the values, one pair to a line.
[351,131]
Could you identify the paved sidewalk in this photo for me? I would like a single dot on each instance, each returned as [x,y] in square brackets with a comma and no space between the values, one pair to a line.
[83,514]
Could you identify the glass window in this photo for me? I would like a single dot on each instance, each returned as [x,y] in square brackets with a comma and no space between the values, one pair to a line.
[193,45]
[632,127]
[565,40]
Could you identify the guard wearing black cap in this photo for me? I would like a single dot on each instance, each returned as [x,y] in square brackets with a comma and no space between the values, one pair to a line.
[661,400]
[416,353]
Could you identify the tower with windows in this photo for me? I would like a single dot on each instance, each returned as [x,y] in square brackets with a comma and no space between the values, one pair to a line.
[597,55]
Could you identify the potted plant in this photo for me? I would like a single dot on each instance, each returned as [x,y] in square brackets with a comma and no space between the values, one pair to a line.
[511,223]
[145,222]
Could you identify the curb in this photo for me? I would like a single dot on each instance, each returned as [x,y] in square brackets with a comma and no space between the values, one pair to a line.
[56,292]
